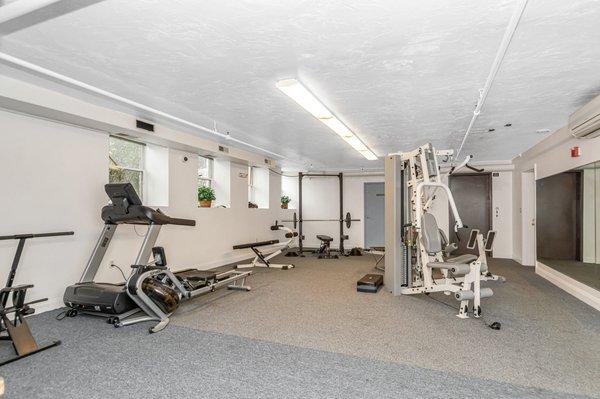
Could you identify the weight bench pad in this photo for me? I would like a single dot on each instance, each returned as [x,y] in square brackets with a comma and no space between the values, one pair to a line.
[466,258]
[324,238]
[196,275]
[256,244]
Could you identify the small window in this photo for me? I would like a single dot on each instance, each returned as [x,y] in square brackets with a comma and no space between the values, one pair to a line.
[251,190]
[126,163]
[258,187]
[205,172]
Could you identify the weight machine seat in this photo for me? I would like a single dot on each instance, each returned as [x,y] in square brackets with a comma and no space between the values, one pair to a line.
[196,275]
[466,258]
[457,269]
[256,244]
[324,238]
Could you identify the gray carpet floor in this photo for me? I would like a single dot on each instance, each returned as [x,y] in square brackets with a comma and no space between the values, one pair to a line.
[307,333]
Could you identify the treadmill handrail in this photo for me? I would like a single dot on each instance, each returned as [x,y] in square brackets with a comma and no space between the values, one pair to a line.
[182,222]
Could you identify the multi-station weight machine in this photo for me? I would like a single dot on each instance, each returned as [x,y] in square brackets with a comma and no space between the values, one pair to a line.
[416,257]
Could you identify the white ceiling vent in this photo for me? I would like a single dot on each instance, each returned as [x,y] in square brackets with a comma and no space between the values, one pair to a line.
[585,122]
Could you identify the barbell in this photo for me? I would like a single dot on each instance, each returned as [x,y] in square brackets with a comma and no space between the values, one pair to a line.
[348,220]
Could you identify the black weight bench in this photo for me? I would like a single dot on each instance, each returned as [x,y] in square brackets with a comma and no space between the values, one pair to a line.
[261,259]
[325,248]
[256,244]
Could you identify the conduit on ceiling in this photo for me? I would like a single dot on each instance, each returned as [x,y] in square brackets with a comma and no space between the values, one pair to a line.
[483,93]
[17,9]
[46,73]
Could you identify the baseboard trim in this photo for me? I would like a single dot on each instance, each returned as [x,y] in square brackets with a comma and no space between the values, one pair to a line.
[579,290]
[518,260]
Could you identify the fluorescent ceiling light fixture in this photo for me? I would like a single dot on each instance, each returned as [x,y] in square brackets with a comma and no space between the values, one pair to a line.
[297,92]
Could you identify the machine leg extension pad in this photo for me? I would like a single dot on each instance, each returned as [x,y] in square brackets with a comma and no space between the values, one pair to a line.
[369,283]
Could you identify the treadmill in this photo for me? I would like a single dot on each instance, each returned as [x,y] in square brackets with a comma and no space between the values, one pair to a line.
[114,301]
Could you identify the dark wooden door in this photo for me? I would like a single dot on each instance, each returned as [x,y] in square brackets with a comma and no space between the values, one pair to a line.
[558,207]
[473,197]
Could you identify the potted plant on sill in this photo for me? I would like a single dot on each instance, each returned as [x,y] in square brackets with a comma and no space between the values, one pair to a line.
[285,200]
[206,195]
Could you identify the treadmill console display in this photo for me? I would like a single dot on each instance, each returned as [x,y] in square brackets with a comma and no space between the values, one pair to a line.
[122,195]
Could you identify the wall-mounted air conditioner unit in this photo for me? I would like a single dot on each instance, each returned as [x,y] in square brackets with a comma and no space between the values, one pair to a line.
[585,122]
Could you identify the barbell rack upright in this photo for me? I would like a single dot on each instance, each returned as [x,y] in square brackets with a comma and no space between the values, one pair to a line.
[300,234]
[341,177]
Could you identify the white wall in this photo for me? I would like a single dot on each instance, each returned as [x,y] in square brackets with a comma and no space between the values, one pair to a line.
[222,182]
[320,200]
[156,175]
[275,189]
[289,187]
[54,178]
[238,186]
[589,219]
[260,183]
[320,197]
[549,157]
[502,213]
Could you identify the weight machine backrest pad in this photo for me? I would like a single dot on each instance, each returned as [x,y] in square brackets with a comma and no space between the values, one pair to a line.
[430,234]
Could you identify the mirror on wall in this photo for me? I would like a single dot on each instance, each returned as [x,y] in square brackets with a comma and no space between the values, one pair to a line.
[568,223]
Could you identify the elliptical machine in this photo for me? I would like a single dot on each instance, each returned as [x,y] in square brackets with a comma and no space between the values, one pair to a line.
[151,287]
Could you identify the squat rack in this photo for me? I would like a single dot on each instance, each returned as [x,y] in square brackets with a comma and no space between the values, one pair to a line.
[340,176]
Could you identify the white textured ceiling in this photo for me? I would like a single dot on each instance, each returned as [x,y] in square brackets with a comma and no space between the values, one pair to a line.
[399,73]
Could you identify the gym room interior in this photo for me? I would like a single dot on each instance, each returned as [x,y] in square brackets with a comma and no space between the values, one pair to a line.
[300,199]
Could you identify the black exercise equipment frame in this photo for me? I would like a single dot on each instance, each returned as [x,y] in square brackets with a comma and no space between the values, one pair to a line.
[17,329]
[340,177]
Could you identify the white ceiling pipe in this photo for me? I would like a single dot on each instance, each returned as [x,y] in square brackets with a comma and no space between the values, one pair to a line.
[483,93]
[19,8]
[38,70]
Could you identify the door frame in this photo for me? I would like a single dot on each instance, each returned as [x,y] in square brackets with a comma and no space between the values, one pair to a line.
[365,210]
[531,200]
